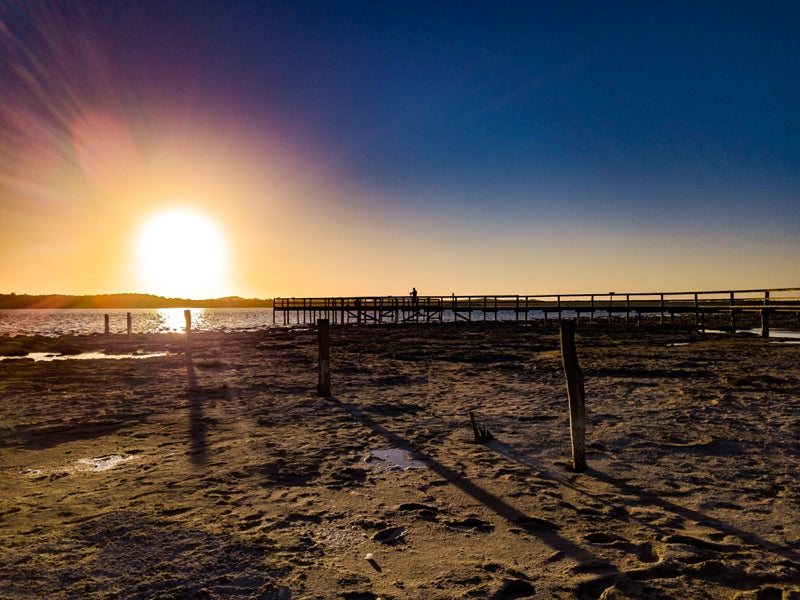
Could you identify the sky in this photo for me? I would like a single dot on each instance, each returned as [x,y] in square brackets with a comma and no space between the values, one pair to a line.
[271,148]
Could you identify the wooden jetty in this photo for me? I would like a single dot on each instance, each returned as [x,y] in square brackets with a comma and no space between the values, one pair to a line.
[534,308]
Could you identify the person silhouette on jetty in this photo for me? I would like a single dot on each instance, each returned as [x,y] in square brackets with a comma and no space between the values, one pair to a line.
[414,297]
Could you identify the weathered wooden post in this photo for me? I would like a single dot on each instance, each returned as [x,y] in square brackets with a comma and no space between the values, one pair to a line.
[323,333]
[107,329]
[187,314]
[577,404]
[130,324]
[627,309]
[765,317]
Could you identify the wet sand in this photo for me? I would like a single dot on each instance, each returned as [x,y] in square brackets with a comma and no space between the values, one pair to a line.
[221,474]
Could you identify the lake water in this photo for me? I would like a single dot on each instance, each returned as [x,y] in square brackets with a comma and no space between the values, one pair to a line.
[163,320]
[84,321]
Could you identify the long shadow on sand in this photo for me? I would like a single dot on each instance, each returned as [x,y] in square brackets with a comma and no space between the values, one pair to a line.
[198,442]
[544,530]
[605,573]
[644,498]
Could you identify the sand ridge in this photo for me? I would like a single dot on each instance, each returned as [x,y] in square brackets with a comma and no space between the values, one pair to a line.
[235,480]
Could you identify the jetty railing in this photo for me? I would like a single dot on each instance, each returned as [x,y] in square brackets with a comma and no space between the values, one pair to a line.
[609,306]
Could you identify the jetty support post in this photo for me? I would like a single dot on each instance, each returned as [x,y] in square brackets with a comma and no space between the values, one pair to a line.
[130,324]
[107,329]
[323,334]
[575,392]
[765,317]
[627,309]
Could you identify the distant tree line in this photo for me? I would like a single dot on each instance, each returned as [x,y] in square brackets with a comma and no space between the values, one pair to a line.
[124,301]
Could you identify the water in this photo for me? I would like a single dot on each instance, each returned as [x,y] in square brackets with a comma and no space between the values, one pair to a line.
[84,321]
[57,322]
[398,458]
[779,334]
[162,320]
[49,356]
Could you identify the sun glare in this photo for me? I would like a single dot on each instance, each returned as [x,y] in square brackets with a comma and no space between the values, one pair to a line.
[181,254]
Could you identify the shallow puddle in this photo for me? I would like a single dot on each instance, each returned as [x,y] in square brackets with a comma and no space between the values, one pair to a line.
[82,465]
[398,459]
[756,331]
[49,356]
[104,463]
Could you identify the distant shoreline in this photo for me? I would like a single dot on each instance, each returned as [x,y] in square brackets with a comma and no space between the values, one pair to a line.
[56,301]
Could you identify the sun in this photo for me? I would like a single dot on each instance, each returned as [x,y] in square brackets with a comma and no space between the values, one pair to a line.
[181,254]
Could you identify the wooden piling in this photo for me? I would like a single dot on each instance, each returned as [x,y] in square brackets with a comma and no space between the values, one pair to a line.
[187,314]
[575,392]
[627,309]
[323,334]
[559,308]
[107,328]
[130,324]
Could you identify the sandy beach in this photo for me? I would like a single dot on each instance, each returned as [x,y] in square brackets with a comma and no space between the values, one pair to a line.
[222,474]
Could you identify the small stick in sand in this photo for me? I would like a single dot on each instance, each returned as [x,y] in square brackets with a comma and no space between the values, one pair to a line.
[482,434]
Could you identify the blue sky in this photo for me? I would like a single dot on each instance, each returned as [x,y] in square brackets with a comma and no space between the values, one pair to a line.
[634,145]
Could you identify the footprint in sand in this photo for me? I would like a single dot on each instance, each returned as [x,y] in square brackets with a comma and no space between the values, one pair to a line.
[423,511]
[390,535]
[512,589]
[471,524]
[643,551]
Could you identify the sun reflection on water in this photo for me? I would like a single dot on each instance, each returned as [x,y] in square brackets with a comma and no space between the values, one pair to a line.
[174,319]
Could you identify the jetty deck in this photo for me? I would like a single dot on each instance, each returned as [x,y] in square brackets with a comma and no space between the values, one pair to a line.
[609,307]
